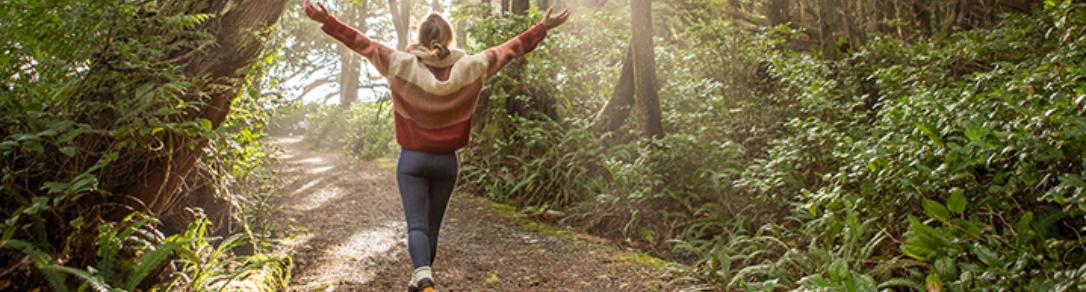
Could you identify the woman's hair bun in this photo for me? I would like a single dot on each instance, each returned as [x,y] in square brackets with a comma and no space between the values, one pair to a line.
[439,49]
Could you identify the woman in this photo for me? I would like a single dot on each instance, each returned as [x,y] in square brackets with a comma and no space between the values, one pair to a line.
[434,90]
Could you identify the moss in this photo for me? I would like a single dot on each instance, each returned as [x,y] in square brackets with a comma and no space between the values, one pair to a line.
[578,239]
[504,210]
[386,162]
[642,258]
[492,278]
[318,286]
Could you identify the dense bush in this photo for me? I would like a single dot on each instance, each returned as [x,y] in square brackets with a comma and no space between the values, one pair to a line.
[951,164]
[88,96]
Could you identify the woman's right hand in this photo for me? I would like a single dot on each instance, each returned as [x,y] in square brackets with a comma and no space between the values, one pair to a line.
[550,22]
[313,13]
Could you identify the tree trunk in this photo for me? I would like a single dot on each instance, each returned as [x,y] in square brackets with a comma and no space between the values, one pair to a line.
[616,110]
[238,28]
[436,6]
[349,61]
[777,12]
[401,21]
[489,6]
[644,60]
[349,75]
[520,6]
[461,26]
[482,111]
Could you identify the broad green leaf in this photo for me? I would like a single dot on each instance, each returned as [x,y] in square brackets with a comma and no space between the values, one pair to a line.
[974,133]
[95,281]
[53,187]
[148,263]
[68,151]
[916,250]
[987,256]
[40,259]
[935,210]
[926,128]
[838,270]
[205,124]
[1024,225]
[956,202]
[901,282]
[972,229]
[945,268]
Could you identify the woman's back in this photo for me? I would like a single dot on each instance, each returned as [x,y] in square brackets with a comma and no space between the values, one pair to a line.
[434,94]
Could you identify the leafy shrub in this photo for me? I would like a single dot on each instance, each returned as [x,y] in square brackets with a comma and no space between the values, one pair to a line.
[370,131]
[521,177]
[960,157]
[205,266]
[89,95]
[952,163]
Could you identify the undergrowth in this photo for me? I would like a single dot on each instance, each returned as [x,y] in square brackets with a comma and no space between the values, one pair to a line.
[364,130]
[954,163]
[86,100]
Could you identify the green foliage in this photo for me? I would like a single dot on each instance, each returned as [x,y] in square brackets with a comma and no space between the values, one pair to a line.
[127,254]
[953,163]
[91,93]
[504,161]
[370,131]
[554,182]
[971,134]
[205,266]
[239,156]
[364,130]
[77,113]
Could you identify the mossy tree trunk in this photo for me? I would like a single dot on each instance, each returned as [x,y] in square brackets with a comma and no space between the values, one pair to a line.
[615,111]
[239,29]
[644,68]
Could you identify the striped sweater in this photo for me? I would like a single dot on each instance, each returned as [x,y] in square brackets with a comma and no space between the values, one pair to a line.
[434,100]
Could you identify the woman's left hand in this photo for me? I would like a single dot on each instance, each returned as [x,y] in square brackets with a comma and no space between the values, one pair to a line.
[550,22]
[313,13]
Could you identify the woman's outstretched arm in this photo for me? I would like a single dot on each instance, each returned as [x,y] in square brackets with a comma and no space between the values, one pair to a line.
[523,43]
[377,53]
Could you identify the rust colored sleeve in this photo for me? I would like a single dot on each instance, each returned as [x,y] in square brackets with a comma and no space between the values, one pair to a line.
[524,43]
[377,53]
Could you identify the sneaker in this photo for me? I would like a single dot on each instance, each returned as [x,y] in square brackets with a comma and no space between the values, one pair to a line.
[426,285]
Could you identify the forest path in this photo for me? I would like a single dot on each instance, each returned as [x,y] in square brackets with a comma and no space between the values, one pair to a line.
[347,229]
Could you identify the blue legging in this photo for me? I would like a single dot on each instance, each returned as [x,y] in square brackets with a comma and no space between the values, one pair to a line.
[426,181]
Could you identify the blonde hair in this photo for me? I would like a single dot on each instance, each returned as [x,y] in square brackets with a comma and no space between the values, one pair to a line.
[435,35]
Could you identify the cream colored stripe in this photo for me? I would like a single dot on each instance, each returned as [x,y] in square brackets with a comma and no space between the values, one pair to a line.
[468,69]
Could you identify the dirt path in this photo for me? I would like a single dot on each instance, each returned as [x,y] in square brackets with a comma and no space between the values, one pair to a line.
[347,232]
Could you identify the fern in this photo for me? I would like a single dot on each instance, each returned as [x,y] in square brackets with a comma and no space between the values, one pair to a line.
[96,282]
[40,259]
[150,262]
